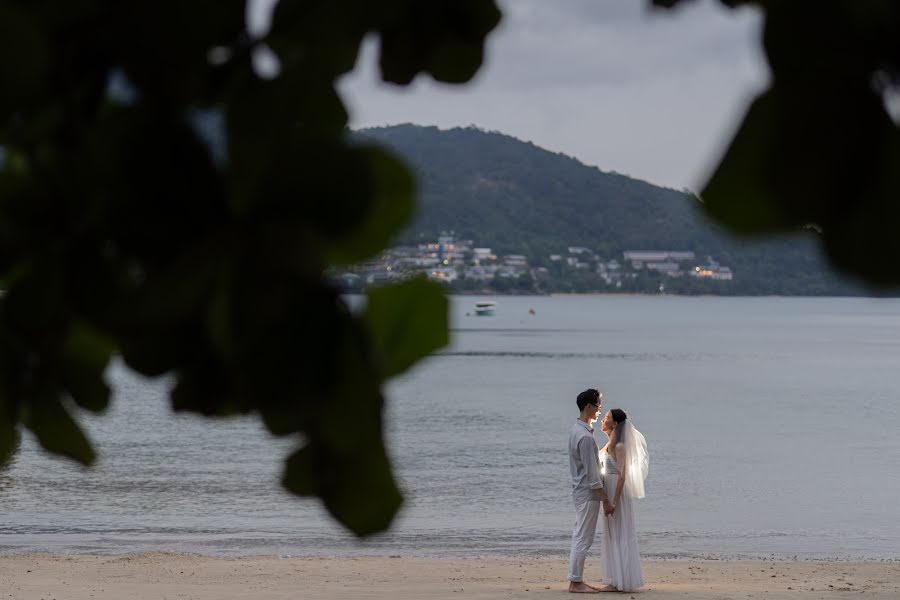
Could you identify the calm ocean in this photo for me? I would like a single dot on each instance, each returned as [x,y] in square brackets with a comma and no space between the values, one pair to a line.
[772,424]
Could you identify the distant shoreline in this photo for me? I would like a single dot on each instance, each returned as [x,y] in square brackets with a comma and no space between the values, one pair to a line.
[634,295]
[640,295]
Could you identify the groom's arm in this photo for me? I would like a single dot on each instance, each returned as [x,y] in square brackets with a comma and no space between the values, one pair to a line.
[587,450]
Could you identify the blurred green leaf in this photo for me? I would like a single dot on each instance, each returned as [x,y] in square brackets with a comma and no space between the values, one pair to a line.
[119,230]
[408,321]
[219,320]
[114,215]
[345,454]
[24,59]
[866,229]
[152,183]
[301,472]
[325,188]
[206,387]
[294,107]
[290,380]
[741,194]
[818,148]
[391,208]
[442,37]
[319,38]
[31,316]
[357,489]
[673,3]
[9,436]
[44,414]
[295,166]
[85,356]
[176,70]
[158,323]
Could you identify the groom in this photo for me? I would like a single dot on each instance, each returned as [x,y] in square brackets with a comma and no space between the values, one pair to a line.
[587,488]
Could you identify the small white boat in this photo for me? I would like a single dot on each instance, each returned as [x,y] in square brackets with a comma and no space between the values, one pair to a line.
[485,308]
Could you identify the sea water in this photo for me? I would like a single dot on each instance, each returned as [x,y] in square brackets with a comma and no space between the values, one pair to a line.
[772,425]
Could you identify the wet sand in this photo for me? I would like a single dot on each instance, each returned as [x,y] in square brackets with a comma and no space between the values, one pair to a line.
[174,576]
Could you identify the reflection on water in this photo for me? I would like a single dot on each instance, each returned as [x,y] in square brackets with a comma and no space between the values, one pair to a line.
[6,483]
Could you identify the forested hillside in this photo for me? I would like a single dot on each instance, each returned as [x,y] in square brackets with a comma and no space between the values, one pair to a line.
[515,197]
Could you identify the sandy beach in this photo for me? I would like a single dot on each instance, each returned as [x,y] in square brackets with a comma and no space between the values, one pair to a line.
[171,576]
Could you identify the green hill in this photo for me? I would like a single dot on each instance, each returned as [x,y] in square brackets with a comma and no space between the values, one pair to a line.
[515,197]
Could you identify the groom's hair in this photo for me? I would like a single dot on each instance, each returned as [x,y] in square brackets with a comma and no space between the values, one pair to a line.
[588,396]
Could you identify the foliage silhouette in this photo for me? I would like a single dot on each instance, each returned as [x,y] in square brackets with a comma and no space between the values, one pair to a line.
[518,198]
[121,230]
[161,200]
[819,148]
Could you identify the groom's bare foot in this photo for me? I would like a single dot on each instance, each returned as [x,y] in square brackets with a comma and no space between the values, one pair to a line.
[608,588]
[579,587]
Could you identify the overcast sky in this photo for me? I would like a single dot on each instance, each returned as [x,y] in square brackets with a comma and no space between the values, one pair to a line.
[648,93]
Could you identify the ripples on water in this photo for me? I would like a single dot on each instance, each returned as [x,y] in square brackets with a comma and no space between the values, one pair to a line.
[772,426]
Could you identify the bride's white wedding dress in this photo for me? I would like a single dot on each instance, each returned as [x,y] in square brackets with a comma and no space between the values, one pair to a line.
[619,559]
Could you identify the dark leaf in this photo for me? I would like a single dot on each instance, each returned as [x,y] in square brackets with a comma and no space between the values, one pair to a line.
[174,70]
[288,333]
[293,167]
[319,38]
[326,186]
[154,183]
[56,430]
[339,462]
[219,320]
[863,236]
[408,322]
[444,38]
[205,387]
[666,3]
[301,472]
[674,3]
[24,59]
[294,106]
[741,194]
[357,488]
[159,322]
[31,309]
[391,208]
[85,356]
[115,218]
[9,436]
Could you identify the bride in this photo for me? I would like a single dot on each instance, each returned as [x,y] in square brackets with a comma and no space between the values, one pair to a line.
[624,464]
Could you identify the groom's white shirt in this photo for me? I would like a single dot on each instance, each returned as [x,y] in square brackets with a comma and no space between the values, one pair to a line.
[584,463]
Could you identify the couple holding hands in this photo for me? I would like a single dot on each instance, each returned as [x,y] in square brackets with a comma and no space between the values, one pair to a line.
[609,478]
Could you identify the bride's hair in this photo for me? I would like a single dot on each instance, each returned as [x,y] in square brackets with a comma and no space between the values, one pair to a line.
[618,415]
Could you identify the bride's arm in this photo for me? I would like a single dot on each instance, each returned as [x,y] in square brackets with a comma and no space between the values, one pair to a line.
[622,464]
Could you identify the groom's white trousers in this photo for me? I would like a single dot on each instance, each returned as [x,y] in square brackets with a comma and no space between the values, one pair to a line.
[586,515]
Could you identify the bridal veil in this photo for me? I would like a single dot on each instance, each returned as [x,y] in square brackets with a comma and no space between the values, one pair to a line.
[638,458]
